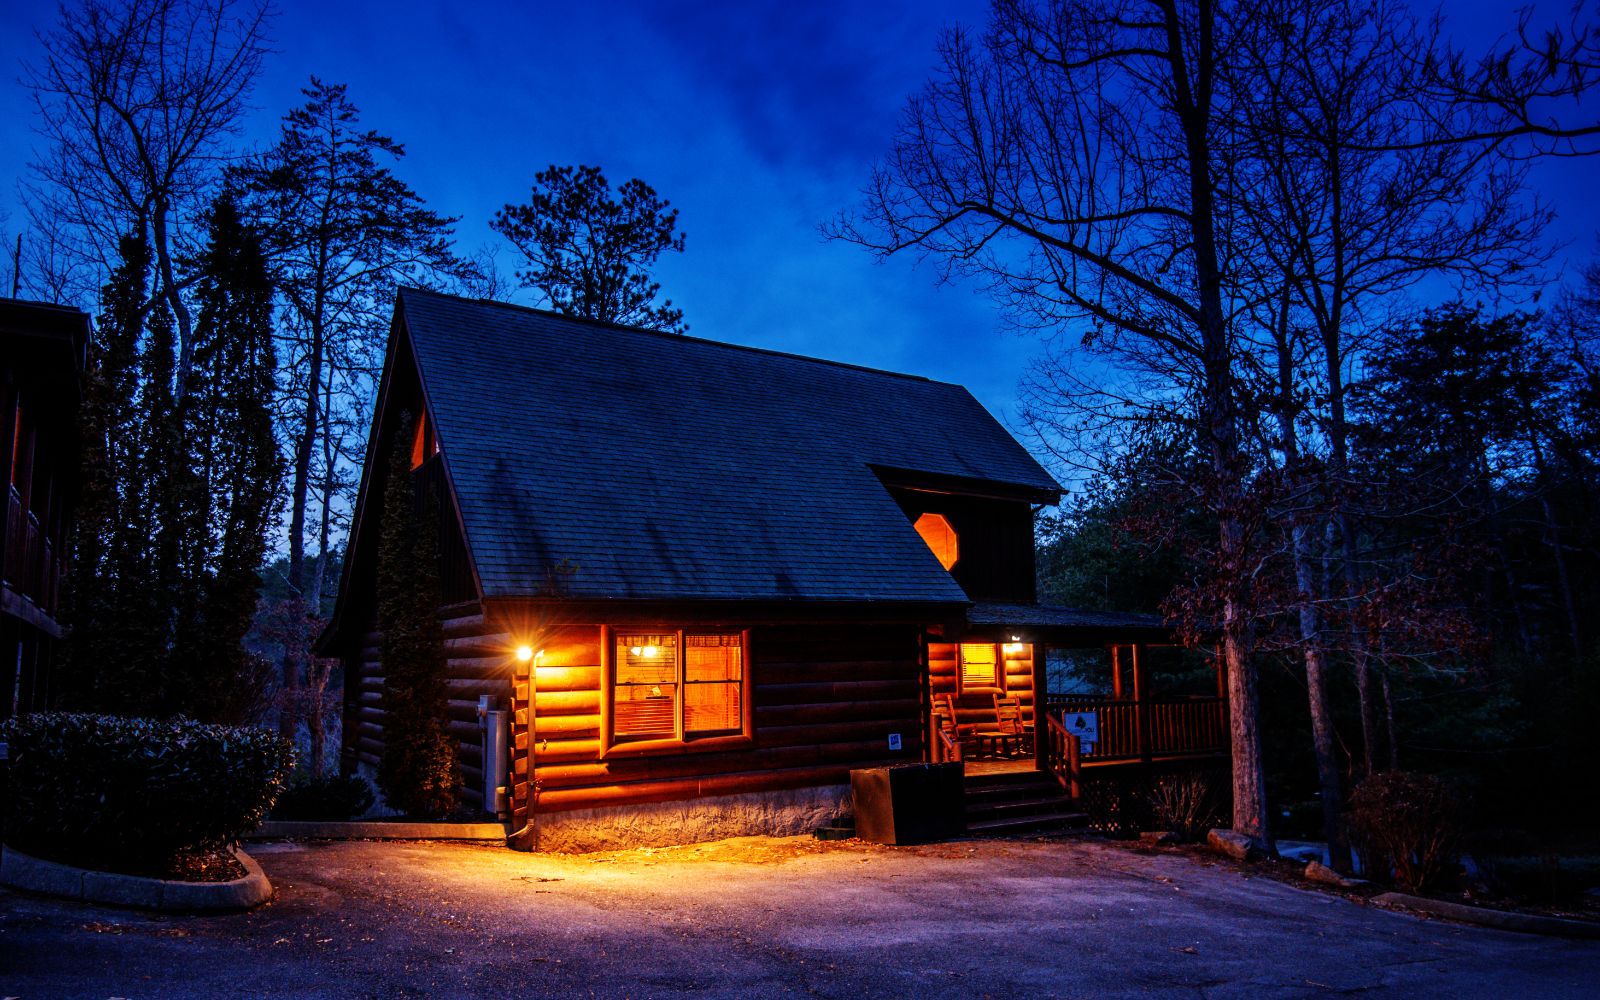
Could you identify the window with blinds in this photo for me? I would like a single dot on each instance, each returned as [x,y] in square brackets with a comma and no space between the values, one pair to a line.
[677,685]
[645,691]
[980,665]
[713,675]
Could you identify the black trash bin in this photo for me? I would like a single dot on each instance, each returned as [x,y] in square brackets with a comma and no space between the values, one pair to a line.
[909,803]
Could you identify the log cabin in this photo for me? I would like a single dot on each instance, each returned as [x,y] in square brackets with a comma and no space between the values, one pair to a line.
[41,356]
[702,582]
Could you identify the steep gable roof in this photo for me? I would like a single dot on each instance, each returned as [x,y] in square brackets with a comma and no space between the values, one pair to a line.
[670,467]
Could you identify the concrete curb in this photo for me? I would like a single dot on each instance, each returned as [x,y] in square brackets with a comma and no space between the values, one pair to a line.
[1526,923]
[279,829]
[23,871]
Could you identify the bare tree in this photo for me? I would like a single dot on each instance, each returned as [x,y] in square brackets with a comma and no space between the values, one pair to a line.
[1074,159]
[136,104]
[1361,178]
[1223,201]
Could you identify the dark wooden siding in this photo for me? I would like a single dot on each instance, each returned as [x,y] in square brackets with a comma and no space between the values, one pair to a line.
[434,499]
[825,699]
[478,663]
[995,538]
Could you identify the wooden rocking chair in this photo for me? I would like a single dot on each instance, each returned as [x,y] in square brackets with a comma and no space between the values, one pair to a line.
[1010,720]
[946,736]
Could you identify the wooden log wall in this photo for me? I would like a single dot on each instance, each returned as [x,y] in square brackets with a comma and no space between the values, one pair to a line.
[976,706]
[479,663]
[825,699]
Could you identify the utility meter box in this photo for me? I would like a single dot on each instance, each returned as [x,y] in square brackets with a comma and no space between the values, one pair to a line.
[909,803]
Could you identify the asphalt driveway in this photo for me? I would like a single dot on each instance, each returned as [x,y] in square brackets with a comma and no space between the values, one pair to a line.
[772,918]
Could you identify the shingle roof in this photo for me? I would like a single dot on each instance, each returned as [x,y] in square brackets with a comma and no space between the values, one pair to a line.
[673,467]
[1056,617]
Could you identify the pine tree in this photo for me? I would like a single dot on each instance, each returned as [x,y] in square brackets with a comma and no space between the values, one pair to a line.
[590,251]
[179,491]
[344,233]
[417,772]
[227,487]
[113,640]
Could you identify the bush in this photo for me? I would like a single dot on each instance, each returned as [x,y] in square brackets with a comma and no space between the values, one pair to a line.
[1185,803]
[1409,825]
[330,797]
[134,794]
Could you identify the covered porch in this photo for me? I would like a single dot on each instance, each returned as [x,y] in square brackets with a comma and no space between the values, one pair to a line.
[1034,719]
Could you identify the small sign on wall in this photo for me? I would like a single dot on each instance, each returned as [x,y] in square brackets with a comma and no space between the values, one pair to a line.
[894,741]
[1084,725]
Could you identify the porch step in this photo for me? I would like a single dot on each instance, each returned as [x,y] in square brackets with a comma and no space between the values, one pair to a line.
[1024,802]
[1048,822]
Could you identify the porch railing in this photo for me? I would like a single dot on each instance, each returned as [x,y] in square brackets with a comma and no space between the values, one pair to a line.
[1063,755]
[32,567]
[1144,730]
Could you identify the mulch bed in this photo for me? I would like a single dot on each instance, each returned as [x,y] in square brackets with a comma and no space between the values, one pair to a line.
[196,866]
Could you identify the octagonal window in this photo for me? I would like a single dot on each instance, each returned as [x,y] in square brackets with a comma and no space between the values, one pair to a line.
[941,538]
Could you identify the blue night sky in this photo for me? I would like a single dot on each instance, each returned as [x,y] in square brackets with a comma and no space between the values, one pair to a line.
[759,120]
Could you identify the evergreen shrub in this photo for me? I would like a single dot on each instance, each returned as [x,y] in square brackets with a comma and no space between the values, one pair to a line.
[102,792]
[326,797]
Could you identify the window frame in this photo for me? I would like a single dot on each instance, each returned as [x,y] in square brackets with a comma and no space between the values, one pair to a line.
[681,742]
[999,685]
[424,442]
[953,537]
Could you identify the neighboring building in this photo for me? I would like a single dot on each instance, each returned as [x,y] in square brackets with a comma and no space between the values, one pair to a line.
[41,356]
[738,574]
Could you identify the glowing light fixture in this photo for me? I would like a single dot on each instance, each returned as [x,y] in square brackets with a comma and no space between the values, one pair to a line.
[524,654]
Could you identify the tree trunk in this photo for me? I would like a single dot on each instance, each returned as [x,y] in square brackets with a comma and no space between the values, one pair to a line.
[1323,742]
[1244,729]
[316,729]
[1563,580]
[1393,757]
[1361,661]
[1552,529]
[174,296]
[300,489]
[1193,90]
[299,496]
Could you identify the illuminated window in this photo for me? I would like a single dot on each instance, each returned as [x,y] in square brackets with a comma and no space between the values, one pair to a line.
[677,686]
[941,538]
[980,666]
[424,442]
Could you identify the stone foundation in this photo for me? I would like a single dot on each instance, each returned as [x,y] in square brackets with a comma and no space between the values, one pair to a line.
[662,824]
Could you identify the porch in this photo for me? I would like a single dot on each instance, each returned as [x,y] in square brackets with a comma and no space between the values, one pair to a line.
[1031,718]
